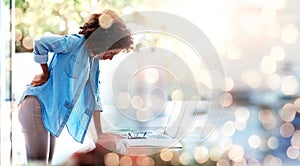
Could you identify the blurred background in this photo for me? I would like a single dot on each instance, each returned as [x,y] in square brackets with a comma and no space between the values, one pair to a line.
[258,45]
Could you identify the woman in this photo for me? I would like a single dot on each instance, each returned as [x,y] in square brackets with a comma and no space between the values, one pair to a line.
[67,91]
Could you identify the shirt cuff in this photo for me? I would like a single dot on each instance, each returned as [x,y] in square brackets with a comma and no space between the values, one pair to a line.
[98,107]
[41,59]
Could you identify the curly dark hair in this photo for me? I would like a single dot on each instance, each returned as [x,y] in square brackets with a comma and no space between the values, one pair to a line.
[101,39]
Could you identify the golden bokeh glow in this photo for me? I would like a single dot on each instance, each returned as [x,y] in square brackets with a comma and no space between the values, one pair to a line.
[166,155]
[201,154]
[111,159]
[126,161]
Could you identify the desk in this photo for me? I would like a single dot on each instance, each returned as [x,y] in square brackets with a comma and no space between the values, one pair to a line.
[110,148]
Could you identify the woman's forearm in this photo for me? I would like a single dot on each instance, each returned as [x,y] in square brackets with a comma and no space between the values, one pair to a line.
[97,122]
[45,69]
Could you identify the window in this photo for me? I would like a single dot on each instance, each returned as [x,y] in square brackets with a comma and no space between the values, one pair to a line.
[6,101]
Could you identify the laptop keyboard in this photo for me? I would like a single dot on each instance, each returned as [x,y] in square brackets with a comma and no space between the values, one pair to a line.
[152,142]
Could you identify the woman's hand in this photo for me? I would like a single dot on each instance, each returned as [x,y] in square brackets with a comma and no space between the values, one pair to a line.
[40,79]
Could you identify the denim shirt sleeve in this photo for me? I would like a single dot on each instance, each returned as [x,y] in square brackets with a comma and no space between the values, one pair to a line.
[56,44]
[98,106]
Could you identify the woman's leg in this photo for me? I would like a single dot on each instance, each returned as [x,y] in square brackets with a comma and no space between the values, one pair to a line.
[52,147]
[36,136]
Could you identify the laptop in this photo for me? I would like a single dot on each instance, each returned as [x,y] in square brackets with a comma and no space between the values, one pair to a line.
[178,123]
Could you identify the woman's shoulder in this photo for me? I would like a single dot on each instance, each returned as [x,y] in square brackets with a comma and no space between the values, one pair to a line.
[76,36]
[75,39]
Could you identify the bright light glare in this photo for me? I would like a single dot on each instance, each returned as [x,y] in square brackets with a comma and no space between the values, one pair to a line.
[290,34]
[273,81]
[242,114]
[233,52]
[254,141]
[252,78]
[277,53]
[185,158]
[229,84]
[228,128]
[268,65]
[236,153]
[274,30]
[201,154]
[268,15]
[289,85]
[151,75]
[137,102]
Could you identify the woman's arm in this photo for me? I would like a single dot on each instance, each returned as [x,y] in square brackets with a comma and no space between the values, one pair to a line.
[42,47]
[98,106]
[97,122]
[55,43]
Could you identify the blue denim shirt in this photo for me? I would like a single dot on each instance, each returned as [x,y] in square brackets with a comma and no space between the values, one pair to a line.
[71,93]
